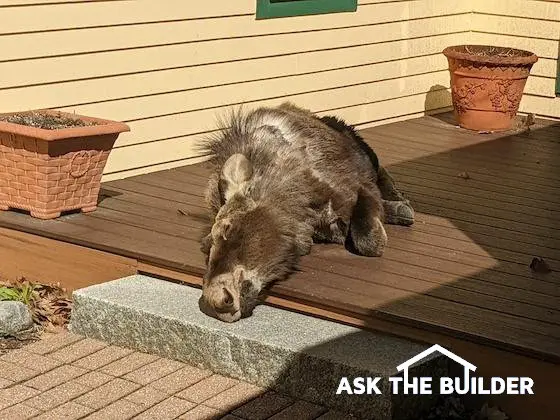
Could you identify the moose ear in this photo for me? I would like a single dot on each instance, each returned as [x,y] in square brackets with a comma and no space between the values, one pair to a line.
[236,171]
[239,274]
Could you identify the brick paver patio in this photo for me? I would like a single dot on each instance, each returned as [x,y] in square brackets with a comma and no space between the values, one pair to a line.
[70,377]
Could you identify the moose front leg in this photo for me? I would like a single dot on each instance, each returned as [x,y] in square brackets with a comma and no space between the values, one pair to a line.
[213,195]
[214,201]
[367,234]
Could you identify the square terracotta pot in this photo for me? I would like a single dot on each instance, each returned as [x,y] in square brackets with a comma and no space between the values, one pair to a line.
[47,172]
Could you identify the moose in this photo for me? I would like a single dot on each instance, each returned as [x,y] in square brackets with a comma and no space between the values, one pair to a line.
[282,179]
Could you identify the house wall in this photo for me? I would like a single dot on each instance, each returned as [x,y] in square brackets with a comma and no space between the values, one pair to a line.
[532,25]
[168,71]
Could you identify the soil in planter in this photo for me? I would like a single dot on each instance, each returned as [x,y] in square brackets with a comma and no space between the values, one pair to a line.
[46,121]
[488,51]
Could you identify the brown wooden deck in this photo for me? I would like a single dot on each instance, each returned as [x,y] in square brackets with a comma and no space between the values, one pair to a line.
[462,271]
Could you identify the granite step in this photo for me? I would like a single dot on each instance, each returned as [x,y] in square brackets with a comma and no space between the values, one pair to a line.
[296,354]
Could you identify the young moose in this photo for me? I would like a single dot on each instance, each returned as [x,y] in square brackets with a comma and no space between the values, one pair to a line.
[282,179]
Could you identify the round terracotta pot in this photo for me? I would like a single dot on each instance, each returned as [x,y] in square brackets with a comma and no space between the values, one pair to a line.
[487,84]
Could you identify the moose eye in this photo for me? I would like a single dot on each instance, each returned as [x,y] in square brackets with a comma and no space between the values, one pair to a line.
[247,287]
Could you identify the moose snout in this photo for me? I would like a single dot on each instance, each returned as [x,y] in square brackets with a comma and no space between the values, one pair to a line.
[220,303]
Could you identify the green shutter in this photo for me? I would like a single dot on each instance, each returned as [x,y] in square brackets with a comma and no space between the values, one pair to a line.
[267,9]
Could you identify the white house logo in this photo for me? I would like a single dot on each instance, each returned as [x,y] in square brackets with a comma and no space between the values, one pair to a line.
[468,384]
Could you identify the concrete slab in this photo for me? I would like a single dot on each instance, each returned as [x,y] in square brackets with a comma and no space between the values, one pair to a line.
[293,353]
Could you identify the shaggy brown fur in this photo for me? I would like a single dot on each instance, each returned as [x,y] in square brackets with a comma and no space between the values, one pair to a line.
[282,179]
[397,208]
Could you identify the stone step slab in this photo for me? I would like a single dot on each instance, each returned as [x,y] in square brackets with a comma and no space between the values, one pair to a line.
[293,353]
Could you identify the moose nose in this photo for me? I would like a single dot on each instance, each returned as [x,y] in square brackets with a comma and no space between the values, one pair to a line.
[220,303]
[225,302]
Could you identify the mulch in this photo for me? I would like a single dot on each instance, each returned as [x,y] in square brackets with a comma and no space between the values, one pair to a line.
[50,307]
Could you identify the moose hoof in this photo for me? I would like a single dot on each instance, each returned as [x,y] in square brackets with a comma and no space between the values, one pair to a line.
[399,213]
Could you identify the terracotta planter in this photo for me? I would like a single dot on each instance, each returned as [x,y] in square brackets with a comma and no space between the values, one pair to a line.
[48,171]
[487,84]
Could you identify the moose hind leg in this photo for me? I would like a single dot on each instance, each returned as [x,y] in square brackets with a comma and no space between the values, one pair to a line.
[367,234]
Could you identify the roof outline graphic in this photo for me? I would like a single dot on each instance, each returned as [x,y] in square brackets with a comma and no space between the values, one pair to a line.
[427,352]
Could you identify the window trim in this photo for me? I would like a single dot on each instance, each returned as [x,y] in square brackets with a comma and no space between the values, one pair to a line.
[268,10]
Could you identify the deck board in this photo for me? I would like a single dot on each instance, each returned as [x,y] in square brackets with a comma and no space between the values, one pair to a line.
[461,270]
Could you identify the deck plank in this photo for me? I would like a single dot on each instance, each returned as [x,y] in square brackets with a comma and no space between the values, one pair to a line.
[192,197]
[171,222]
[475,188]
[464,158]
[382,298]
[438,315]
[524,178]
[182,231]
[476,180]
[461,270]
[419,235]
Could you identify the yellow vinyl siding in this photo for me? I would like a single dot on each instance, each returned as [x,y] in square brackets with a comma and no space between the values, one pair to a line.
[167,128]
[347,65]
[531,25]
[59,15]
[169,71]
[312,90]
[152,58]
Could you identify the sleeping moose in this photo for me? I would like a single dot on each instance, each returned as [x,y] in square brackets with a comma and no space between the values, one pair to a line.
[283,178]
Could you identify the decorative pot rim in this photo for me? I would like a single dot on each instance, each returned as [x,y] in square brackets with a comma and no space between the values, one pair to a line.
[102,127]
[461,52]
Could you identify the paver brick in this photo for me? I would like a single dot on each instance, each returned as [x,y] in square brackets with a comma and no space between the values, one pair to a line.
[55,377]
[16,373]
[93,379]
[106,394]
[18,411]
[234,397]
[102,357]
[73,377]
[147,396]
[263,406]
[301,410]
[207,388]
[52,343]
[68,411]
[4,383]
[78,350]
[58,395]
[119,410]
[33,361]
[153,371]
[170,408]
[128,363]
[180,379]
[335,415]
[202,412]
[15,394]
